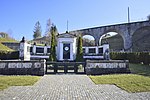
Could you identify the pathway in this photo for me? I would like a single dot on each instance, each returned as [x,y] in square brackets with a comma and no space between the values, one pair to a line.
[69,87]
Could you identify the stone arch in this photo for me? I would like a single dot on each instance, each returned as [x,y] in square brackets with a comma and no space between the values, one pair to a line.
[116,42]
[88,40]
[141,39]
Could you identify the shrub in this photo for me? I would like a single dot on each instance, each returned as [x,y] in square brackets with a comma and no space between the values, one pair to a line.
[5,55]
[134,57]
[79,56]
[146,58]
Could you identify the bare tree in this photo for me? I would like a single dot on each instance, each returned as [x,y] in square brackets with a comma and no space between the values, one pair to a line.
[48,28]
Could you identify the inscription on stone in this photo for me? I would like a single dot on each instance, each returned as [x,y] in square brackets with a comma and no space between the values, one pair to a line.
[19,65]
[26,65]
[22,68]
[37,65]
[106,65]
[12,65]
[2,65]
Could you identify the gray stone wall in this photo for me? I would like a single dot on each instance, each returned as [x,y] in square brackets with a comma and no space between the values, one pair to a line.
[126,30]
[97,67]
[22,68]
[14,46]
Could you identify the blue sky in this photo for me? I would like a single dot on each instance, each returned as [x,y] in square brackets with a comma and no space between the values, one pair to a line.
[18,17]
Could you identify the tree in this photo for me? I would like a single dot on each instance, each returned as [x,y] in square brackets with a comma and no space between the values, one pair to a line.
[37,31]
[148,17]
[88,42]
[48,28]
[79,56]
[52,56]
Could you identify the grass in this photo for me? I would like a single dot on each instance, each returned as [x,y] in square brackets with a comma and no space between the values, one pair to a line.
[7,81]
[137,82]
[7,40]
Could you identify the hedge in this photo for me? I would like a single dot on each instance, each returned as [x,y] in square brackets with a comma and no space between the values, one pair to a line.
[134,57]
[8,55]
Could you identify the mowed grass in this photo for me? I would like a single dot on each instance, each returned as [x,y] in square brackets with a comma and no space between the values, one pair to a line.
[7,81]
[128,82]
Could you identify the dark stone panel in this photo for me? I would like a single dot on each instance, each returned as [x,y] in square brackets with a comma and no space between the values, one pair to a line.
[98,67]
[21,70]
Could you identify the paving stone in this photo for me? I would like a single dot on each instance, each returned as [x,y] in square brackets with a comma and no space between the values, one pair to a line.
[69,87]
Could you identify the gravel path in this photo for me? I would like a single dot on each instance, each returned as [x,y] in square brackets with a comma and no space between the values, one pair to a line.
[69,87]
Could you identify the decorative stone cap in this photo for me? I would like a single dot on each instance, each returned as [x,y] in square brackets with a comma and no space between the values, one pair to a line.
[108,61]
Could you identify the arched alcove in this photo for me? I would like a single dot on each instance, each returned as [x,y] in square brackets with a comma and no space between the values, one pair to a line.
[141,39]
[88,40]
[114,40]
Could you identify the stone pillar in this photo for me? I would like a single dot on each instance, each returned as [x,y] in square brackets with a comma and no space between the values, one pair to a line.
[45,49]
[61,51]
[24,54]
[96,49]
[127,43]
[34,49]
[96,42]
[71,51]
[21,50]
[86,50]
[105,46]
[106,51]
[127,39]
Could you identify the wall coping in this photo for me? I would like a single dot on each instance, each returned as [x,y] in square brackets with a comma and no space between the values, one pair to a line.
[107,61]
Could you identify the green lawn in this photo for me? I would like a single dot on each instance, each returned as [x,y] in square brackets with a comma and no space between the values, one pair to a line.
[137,82]
[6,81]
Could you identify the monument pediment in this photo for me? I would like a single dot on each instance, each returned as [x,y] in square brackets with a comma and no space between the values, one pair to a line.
[66,35]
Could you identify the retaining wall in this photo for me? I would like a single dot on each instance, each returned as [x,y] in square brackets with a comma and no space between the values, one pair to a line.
[97,67]
[22,68]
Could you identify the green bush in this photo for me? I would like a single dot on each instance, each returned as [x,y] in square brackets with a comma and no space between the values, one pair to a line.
[6,55]
[134,57]
[146,58]
[118,56]
[79,56]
